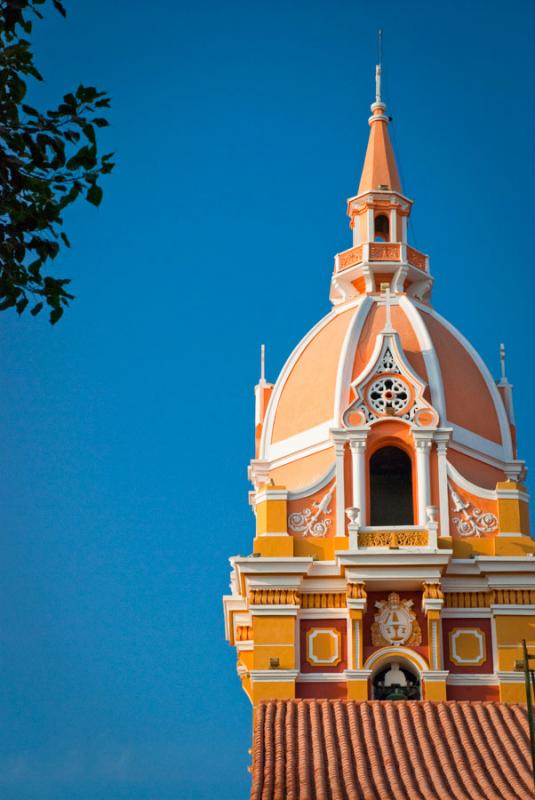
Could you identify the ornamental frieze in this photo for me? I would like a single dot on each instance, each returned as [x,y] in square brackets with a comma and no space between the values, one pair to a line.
[394,539]
[273,597]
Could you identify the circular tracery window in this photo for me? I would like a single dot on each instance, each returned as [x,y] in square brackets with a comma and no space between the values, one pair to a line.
[388,394]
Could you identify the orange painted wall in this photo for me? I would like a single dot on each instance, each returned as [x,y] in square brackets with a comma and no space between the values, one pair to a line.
[307,398]
[468,401]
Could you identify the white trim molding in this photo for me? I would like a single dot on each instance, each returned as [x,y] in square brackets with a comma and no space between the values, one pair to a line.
[273,675]
[472,679]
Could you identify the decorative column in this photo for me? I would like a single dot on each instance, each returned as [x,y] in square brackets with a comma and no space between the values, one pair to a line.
[442,439]
[435,677]
[394,225]
[340,487]
[423,441]
[357,443]
[356,676]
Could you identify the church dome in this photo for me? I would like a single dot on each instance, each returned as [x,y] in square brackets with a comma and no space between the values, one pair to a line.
[315,385]
[333,386]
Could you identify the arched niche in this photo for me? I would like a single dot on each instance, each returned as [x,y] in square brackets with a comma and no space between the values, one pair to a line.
[396,674]
[391,492]
[382,228]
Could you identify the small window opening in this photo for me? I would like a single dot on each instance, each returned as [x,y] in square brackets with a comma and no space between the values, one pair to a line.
[396,683]
[391,487]
[382,228]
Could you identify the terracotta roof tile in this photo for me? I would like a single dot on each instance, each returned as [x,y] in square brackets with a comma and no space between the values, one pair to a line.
[345,750]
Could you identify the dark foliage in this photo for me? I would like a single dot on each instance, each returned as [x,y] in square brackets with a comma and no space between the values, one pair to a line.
[47,160]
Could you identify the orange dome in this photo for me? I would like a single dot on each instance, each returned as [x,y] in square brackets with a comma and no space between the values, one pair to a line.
[314,388]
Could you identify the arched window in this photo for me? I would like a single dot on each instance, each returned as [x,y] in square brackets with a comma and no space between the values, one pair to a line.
[382,228]
[391,487]
[396,682]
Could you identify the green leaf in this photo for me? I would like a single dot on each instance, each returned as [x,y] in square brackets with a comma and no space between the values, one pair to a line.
[30,110]
[21,305]
[94,194]
[55,315]
[36,309]
[59,7]
[89,133]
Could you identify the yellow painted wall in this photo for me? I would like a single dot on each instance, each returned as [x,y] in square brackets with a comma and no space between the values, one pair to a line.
[510,630]
[273,690]
[263,653]
[435,690]
[280,546]
[512,693]
[273,630]
[357,690]
[271,516]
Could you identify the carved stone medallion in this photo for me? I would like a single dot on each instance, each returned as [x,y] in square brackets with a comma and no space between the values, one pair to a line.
[395,623]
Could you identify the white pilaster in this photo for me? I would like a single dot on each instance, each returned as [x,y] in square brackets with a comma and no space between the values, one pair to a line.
[357,443]
[371,225]
[404,229]
[340,487]
[393,225]
[423,440]
[442,439]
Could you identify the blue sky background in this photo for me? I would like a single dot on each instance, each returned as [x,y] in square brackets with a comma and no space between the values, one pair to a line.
[240,130]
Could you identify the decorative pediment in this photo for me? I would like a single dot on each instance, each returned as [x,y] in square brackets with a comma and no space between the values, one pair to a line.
[388,387]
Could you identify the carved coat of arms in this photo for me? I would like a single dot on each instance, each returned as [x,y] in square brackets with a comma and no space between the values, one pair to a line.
[395,623]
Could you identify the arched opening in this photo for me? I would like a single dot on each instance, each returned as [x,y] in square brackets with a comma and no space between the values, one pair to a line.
[382,228]
[391,487]
[397,681]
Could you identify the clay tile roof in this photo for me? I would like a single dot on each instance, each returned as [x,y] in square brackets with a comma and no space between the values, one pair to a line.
[346,750]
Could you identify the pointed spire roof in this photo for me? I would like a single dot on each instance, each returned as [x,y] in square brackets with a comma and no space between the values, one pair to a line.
[380,170]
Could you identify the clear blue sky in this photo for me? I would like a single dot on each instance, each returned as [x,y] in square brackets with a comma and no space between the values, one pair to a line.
[240,129]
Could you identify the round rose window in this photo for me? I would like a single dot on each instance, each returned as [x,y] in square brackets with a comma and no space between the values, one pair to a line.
[388,395]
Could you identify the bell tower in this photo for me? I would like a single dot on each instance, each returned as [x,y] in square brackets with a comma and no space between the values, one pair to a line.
[392,557]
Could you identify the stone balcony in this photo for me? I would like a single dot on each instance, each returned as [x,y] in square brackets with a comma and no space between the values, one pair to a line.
[381,251]
[395,537]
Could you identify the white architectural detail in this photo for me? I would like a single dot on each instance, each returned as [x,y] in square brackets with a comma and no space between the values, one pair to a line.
[469,520]
[423,441]
[432,366]
[388,393]
[475,660]
[340,490]
[388,363]
[334,658]
[312,488]
[388,386]
[347,358]
[498,402]
[269,420]
[441,438]
[357,444]
[310,522]
[395,623]
[394,676]
[402,654]
[468,486]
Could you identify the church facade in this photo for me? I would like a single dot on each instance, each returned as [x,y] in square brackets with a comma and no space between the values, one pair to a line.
[392,558]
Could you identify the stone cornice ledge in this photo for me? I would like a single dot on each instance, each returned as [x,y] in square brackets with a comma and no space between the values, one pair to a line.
[273,675]
[263,565]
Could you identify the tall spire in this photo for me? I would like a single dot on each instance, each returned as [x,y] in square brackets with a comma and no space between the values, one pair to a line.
[380,170]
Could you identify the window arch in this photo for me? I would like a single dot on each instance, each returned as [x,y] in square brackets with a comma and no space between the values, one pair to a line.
[397,681]
[391,487]
[382,228]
